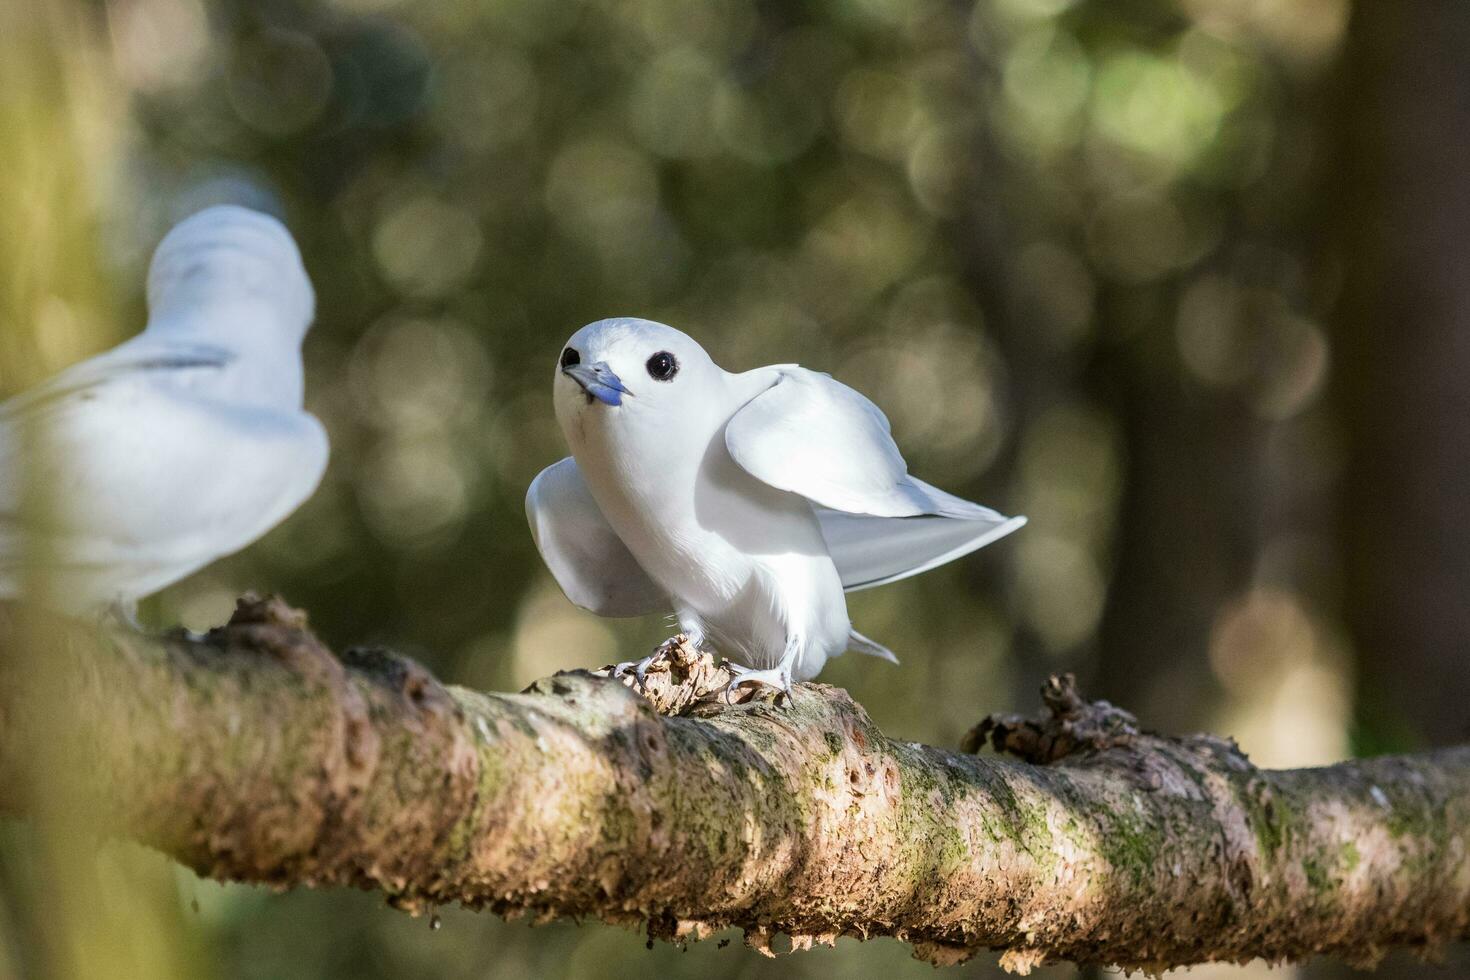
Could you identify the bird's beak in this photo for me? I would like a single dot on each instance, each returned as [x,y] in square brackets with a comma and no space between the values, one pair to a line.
[598,381]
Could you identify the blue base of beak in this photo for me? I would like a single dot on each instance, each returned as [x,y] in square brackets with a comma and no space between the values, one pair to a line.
[604,393]
[598,381]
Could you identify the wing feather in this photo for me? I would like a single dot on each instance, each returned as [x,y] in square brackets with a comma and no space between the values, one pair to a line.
[589,561]
[142,356]
[874,551]
[141,482]
[814,436]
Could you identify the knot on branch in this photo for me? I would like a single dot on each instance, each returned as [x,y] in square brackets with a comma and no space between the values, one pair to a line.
[254,609]
[681,678]
[270,625]
[1071,724]
[405,677]
[342,750]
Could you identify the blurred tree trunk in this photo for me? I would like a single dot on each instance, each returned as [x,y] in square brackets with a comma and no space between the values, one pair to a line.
[1189,530]
[1189,525]
[1403,376]
[1404,366]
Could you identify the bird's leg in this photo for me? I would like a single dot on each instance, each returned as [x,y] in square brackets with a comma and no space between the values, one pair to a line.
[640,667]
[123,613]
[778,677]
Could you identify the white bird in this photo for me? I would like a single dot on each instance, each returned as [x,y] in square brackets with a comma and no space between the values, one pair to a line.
[746,504]
[129,471]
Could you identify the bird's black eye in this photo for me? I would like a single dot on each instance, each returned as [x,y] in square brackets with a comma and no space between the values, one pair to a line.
[570,357]
[662,366]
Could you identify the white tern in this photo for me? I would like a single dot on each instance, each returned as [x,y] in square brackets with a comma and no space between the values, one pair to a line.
[131,470]
[745,504]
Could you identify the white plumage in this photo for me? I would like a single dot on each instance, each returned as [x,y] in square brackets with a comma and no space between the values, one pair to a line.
[129,471]
[746,504]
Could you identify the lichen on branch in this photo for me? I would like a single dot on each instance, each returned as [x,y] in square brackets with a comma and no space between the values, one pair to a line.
[255,754]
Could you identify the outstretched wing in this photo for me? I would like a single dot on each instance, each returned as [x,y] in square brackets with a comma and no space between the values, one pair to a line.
[817,437]
[586,557]
[814,436]
[873,551]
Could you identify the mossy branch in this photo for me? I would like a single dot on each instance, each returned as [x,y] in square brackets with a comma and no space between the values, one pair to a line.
[254,754]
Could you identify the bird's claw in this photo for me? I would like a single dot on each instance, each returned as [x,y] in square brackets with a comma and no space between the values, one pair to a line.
[776,677]
[640,667]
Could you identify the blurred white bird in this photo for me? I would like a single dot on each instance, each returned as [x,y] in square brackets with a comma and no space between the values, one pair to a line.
[745,503]
[127,472]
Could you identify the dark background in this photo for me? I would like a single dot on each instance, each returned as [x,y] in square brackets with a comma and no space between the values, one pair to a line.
[1185,282]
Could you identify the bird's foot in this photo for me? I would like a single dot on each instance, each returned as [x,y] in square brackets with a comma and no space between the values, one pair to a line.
[775,677]
[640,668]
[124,616]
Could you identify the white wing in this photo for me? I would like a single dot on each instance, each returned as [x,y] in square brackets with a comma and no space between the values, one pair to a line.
[814,436]
[873,551]
[73,409]
[142,358]
[817,437]
[141,483]
[586,557]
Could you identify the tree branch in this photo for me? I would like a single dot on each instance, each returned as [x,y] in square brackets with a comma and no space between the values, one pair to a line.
[254,754]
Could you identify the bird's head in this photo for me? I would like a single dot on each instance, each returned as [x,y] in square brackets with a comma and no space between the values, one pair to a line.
[232,269]
[629,368]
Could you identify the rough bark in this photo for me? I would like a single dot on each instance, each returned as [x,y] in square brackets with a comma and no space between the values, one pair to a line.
[254,754]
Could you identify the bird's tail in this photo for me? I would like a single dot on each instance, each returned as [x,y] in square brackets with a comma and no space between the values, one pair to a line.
[861,644]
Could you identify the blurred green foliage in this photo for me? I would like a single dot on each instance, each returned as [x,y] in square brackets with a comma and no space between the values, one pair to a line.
[1066,245]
